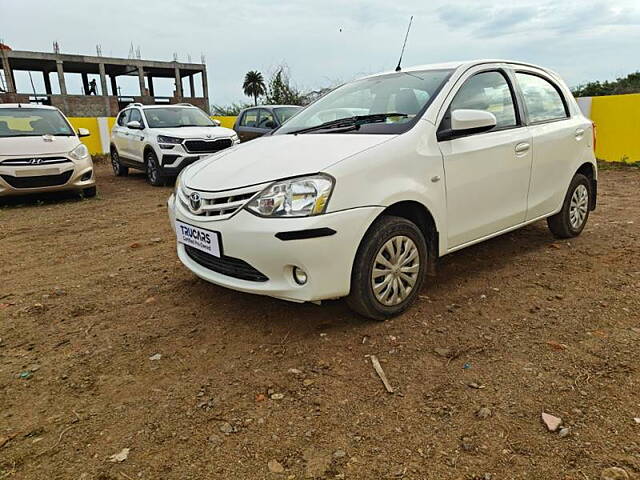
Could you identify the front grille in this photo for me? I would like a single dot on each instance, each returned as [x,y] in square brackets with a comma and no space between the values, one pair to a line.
[34,161]
[229,266]
[219,204]
[207,146]
[38,181]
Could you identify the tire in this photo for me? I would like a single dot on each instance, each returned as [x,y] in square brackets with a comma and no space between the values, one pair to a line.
[89,192]
[119,170]
[152,167]
[382,239]
[572,218]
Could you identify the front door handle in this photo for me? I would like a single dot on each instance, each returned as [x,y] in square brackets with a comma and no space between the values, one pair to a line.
[579,133]
[523,147]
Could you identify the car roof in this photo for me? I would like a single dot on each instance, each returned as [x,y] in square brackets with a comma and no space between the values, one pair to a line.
[464,65]
[272,107]
[27,105]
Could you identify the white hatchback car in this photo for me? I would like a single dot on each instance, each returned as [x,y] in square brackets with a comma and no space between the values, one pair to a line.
[163,139]
[41,152]
[359,194]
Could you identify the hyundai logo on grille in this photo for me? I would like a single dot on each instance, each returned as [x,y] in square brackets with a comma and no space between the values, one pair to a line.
[195,202]
[35,161]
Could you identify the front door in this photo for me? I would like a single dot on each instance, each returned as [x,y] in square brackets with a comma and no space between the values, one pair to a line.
[487,174]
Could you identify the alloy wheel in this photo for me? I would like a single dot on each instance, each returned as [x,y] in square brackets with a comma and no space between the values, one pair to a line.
[579,206]
[395,270]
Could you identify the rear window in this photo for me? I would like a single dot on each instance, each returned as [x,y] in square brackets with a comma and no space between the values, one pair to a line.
[33,122]
[542,99]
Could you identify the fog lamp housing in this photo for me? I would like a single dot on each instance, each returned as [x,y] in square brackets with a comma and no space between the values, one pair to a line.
[300,276]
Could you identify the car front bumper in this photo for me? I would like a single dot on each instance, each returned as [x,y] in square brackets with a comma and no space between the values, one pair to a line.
[26,179]
[326,259]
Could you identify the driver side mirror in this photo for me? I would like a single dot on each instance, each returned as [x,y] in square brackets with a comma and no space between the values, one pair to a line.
[83,132]
[216,122]
[134,125]
[467,122]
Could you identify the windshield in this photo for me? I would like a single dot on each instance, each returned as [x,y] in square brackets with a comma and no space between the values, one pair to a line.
[174,117]
[33,122]
[407,93]
[285,113]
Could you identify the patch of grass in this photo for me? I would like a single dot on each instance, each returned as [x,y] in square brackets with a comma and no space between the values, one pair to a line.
[602,165]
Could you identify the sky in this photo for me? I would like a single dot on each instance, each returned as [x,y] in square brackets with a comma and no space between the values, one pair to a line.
[328,42]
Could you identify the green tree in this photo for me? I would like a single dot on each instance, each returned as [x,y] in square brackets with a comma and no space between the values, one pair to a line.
[280,90]
[620,86]
[253,85]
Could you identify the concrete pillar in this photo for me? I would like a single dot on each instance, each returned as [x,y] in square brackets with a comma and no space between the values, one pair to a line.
[114,85]
[178,83]
[143,89]
[205,89]
[85,83]
[63,85]
[150,82]
[47,82]
[192,88]
[103,80]
[8,74]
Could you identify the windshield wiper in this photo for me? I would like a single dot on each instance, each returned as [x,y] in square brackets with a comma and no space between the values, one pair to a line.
[350,123]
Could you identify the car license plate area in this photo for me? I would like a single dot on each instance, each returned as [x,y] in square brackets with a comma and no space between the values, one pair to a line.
[36,172]
[207,241]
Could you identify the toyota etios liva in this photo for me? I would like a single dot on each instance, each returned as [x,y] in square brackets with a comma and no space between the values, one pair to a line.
[359,193]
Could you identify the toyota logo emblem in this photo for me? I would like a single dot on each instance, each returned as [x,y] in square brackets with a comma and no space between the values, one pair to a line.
[195,202]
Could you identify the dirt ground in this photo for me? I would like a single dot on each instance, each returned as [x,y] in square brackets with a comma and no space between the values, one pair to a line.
[108,343]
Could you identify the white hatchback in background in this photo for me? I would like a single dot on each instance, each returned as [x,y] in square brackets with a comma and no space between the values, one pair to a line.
[41,152]
[164,139]
[360,193]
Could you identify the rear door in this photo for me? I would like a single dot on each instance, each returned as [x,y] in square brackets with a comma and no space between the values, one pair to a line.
[136,137]
[121,133]
[559,140]
[248,125]
[487,174]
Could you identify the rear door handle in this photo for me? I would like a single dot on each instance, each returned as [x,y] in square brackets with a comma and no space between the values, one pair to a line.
[523,147]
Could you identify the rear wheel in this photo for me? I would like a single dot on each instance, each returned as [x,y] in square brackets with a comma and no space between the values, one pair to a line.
[118,169]
[389,269]
[154,175]
[571,220]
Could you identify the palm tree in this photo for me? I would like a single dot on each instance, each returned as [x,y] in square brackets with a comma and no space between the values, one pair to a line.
[253,85]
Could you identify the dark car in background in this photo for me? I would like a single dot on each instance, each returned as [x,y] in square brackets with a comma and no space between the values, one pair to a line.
[256,121]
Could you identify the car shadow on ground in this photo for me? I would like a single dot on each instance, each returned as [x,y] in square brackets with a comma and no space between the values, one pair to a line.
[38,199]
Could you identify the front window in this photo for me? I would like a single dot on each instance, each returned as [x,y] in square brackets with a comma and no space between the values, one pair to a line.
[285,113]
[407,94]
[33,122]
[175,117]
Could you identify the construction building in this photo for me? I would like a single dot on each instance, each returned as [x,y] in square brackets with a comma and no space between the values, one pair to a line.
[100,99]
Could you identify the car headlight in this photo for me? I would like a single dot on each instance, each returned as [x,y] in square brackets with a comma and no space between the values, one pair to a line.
[235,139]
[296,197]
[170,140]
[178,182]
[80,152]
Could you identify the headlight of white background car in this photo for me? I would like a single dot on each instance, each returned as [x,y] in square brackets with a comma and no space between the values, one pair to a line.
[235,139]
[80,152]
[296,197]
[170,140]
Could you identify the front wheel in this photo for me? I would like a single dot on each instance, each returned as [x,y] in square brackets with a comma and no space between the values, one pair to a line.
[89,192]
[154,176]
[572,218]
[389,269]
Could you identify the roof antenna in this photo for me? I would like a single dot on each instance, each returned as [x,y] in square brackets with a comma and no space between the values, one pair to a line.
[398,68]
